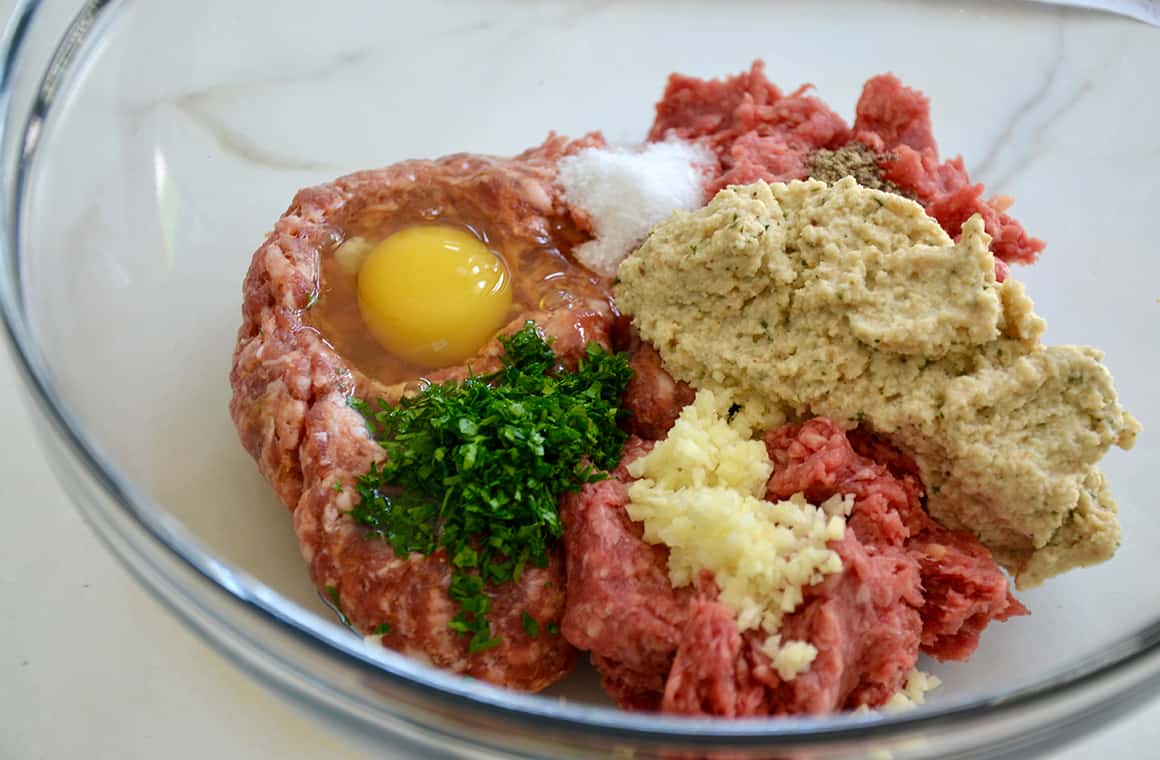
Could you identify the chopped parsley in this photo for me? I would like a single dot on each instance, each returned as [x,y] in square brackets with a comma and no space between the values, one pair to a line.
[477,468]
[531,627]
[382,629]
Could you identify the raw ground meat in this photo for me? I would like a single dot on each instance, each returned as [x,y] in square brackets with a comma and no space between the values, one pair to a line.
[907,584]
[653,399]
[863,622]
[289,404]
[756,132]
[962,585]
[621,605]
[895,121]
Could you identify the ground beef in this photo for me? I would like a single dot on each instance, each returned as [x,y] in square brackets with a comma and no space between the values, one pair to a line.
[895,120]
[963,587]
[621,606]
[290,406]
[863,622]
[756,132]
[653,399]
[906,584]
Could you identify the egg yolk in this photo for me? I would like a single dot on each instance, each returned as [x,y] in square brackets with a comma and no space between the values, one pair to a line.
[433,295]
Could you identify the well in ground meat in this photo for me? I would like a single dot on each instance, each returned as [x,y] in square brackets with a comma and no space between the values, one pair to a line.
[290,405]
[906,584]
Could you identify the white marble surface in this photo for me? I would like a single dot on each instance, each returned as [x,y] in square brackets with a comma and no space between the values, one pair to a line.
[92,667]
[1144,10]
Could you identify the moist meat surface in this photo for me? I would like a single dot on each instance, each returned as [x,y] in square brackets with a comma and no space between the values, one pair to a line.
[653,399]
[907,584]
[757,132]
[894,121]
[962,586]
[290,406]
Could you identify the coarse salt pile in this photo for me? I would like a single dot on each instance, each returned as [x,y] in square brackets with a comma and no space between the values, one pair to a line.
[626,191]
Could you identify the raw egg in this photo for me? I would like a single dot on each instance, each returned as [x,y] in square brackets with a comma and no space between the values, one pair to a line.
[433,294]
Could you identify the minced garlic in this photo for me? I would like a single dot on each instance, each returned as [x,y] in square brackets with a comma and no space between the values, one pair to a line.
[700,493]
[911,695]
[913,692]
[791,659]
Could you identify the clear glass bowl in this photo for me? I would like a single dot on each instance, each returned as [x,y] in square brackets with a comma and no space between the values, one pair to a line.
[147,147]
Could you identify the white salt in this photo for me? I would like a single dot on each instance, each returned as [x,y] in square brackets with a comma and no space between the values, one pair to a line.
[627,191]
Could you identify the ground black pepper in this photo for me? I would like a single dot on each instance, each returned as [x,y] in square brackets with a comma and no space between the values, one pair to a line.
[853,160]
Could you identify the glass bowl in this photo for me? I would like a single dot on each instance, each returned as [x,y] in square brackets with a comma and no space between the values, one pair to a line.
[147,148]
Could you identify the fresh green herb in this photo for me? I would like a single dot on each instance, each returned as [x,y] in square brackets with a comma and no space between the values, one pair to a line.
[337,486]
[531,627]
[553,629]
[936,490]
[382,629]
[332,594]
[477,468]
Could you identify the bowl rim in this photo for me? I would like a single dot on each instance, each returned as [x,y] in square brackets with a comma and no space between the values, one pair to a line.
[153,523]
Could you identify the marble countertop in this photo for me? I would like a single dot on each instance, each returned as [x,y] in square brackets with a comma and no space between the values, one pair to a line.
[92,667]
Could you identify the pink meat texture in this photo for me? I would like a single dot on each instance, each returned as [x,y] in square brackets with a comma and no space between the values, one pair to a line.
[907,585]
[757,132]
[290,406]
